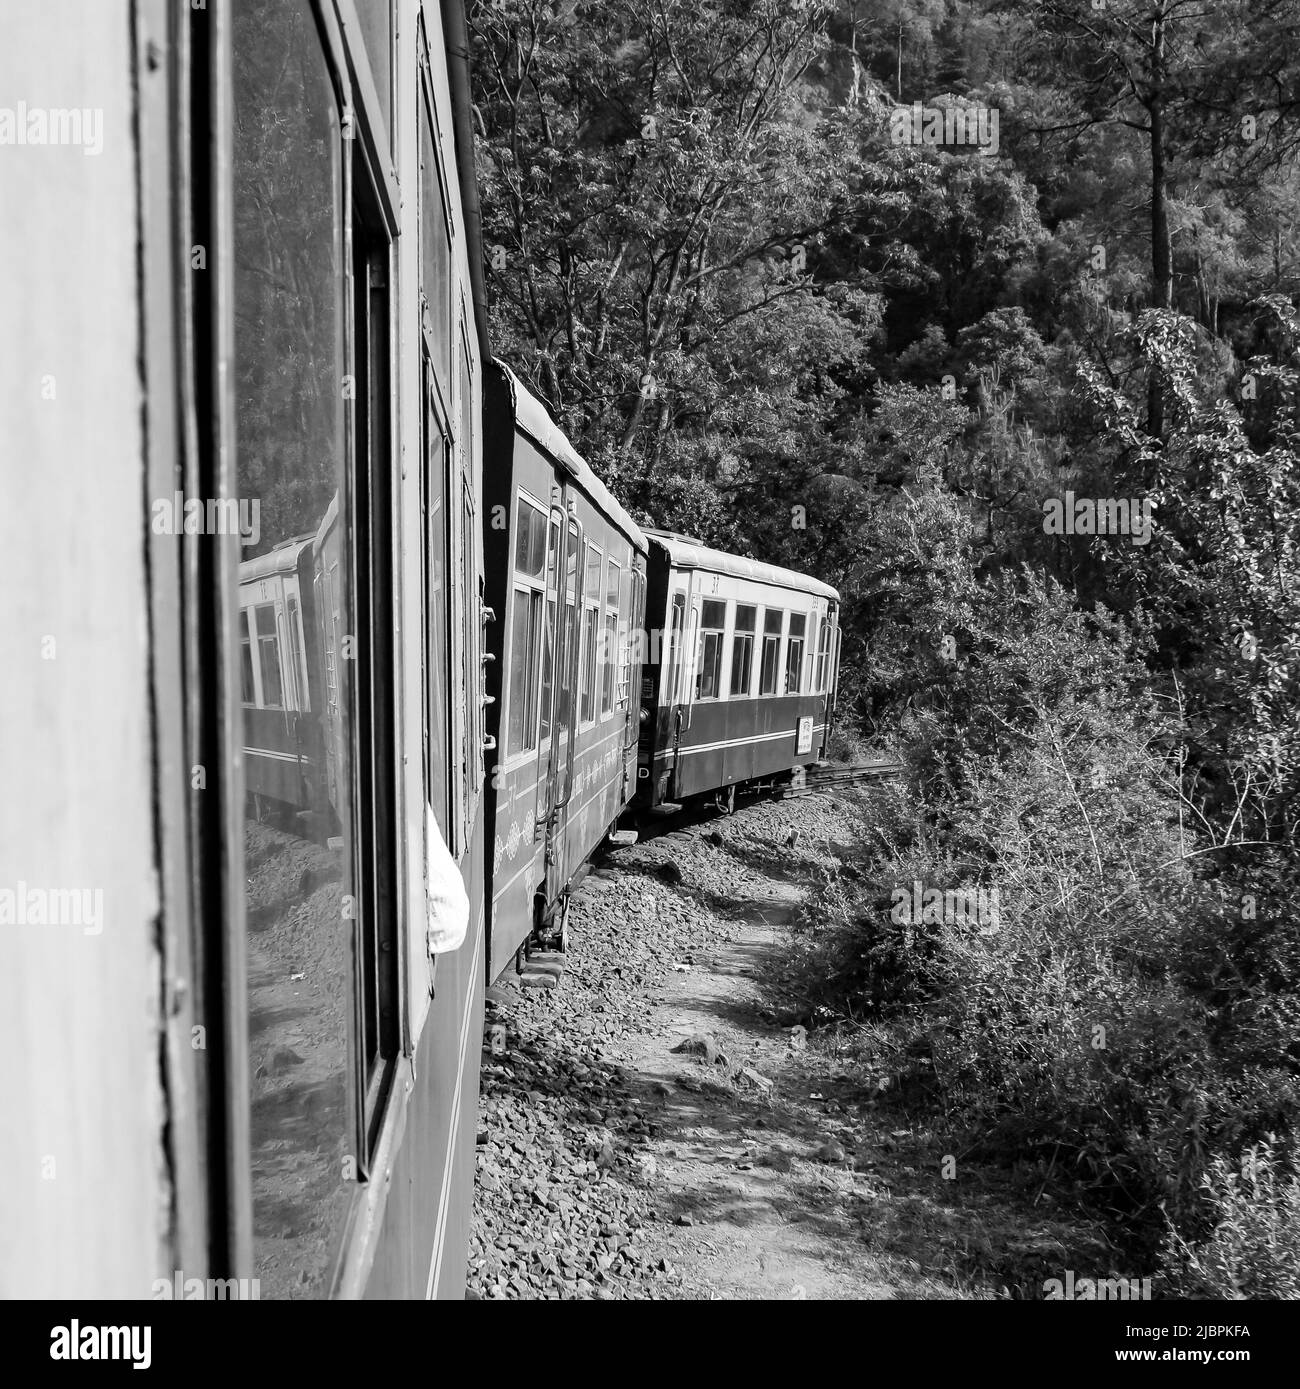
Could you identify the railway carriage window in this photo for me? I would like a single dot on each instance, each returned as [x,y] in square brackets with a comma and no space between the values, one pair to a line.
[590,621]
[526,626]
[674,658]
[472,668]
[742,650]
[611,657]
[247,685]
[437,658]
[268,656]
[823,642]
[548,631]
[773,624]
[435,235]
[569,647]
[794,653]
[318,831]
[708,666]
[377,28]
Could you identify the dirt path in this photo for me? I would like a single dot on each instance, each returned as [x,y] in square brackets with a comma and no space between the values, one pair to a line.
[660,1126]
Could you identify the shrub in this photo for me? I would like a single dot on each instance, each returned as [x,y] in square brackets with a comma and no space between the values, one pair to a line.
[1253,1247]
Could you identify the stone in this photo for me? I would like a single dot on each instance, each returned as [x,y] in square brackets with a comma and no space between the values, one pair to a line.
[701,1044]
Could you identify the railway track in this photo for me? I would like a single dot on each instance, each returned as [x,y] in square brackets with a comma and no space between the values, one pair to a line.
[825,775]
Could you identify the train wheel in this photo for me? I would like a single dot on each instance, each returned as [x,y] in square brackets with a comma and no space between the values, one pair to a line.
[564,926]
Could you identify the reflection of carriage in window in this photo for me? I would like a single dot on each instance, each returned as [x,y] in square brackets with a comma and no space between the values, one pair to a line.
[289,603]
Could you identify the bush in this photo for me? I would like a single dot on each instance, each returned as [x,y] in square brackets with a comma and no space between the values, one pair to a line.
[1115,1029]
[1253,1249]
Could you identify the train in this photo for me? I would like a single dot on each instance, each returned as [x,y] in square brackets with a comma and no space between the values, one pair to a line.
[408,627]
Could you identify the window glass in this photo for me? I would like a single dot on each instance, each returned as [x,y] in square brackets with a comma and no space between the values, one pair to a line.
[708,664]
[288,363]
[589,619]
[674,653]
[548,630]
[376,25]
[435,249]
[268,648]
[437,654]
[773,621]
[522,646]
[794,653]
[742,650]
[610,658]
[591,581]
[247,687]
[569,641]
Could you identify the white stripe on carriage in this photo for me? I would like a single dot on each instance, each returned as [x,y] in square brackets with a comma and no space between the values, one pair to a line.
[738,742]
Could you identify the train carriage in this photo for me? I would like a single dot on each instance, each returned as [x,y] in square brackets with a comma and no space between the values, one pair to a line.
[566,572]
[740,685]
[264,293]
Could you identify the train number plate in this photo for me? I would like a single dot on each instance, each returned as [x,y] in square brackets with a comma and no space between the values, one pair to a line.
[804,737]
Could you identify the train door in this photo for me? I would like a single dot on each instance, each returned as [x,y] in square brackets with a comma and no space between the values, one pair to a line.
[563,747]
[552,668]
[677,680]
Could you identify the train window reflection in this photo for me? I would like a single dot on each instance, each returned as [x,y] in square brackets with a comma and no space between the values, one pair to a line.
[289,362]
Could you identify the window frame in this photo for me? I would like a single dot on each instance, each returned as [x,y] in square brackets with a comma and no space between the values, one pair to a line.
[710,633]
[589,613]
[791,641]
[748,636]
[777,663]
[535,586]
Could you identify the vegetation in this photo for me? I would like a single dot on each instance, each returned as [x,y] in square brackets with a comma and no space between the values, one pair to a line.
[770,319]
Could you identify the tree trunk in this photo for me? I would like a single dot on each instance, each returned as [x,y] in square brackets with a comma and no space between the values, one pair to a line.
[1162,257]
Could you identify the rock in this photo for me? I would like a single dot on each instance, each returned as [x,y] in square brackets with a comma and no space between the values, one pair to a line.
[752,1078]
[778,1159]
[830,1151]
[798,1038]
[701,1044]
[283,1059]
[686,1218]
[669,872]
